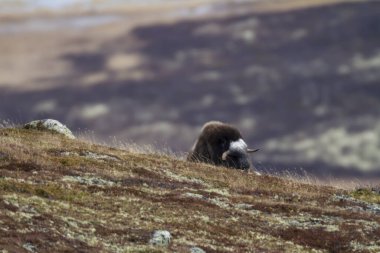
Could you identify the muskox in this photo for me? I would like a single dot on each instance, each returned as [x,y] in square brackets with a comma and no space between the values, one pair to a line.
[222,145]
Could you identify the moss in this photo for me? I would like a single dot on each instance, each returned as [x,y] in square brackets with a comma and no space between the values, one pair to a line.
[367,195]
[49,191]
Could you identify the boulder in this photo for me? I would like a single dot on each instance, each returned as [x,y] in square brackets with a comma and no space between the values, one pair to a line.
[160,238]
[196,250]
[50,125]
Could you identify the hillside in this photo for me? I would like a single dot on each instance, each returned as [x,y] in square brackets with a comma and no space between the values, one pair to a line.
[62,195]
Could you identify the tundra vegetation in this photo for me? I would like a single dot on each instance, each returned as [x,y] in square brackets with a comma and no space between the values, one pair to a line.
[59,194]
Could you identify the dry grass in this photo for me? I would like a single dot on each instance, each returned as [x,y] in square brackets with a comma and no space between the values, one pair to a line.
[68,195]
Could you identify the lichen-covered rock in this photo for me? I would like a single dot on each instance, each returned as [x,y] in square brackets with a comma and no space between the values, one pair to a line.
[29,247]
[50,125]
[90,155]
[196,250]
[160,238]
[88,180]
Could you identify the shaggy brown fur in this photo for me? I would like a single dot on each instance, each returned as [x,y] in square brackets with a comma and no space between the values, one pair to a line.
[220,144]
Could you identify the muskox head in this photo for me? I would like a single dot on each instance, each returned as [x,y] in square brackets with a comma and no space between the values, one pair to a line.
[221,144]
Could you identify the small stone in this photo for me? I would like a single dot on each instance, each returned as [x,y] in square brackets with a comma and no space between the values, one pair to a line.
[92,155]
[244,206]
[88,180]
[194,195]
[50,125]
[29,247]
[160,238]
[197,250]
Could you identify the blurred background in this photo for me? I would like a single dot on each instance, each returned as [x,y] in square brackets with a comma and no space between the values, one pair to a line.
[299,78]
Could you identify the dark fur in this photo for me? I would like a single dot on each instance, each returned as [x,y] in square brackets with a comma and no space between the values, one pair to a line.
[213,141]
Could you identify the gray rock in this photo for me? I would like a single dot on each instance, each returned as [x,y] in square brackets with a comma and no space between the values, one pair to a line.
[244,206]
[88,180]
[90,155]
[161,238]
[29,247]
[197,250]
[50,125]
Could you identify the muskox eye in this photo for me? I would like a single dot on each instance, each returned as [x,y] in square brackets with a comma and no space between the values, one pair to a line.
[223,143]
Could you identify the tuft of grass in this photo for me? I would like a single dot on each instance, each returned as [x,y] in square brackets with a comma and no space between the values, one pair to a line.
[7,124]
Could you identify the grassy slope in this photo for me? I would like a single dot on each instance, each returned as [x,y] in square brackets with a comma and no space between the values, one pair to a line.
[66,195]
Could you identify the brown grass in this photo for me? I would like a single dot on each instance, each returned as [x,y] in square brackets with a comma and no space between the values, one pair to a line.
[50,191]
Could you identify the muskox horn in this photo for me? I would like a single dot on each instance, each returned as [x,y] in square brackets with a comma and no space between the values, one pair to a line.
[225,154]
[252,150]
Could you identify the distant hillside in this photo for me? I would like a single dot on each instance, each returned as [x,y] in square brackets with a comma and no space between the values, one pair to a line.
[61,195]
